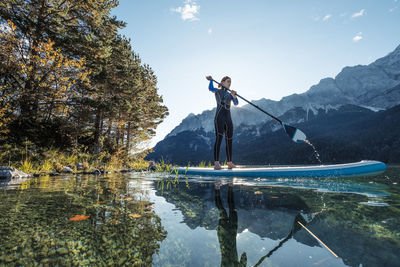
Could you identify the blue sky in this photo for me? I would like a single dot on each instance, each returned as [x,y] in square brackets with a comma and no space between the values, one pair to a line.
[270,48]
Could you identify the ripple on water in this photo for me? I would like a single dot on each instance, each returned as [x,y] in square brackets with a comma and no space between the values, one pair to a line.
[374,203]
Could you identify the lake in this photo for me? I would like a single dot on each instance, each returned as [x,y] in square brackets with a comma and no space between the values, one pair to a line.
[143,219]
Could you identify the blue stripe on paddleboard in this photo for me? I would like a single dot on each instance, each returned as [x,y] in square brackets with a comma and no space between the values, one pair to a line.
[340,170]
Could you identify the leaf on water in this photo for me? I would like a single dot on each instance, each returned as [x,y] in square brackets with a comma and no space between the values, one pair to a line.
[274,197]
[257,193]
[101,202]
[135,215]
[149,207]
[128,198]
[79,218]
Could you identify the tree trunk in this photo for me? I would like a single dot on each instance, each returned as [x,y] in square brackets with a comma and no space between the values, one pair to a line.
[128,136]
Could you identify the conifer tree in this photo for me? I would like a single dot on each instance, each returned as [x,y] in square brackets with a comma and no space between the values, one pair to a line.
[67,78]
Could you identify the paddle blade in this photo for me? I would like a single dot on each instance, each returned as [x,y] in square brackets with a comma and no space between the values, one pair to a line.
[295,134]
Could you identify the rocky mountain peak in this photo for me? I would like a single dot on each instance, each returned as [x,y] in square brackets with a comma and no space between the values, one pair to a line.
[375,86]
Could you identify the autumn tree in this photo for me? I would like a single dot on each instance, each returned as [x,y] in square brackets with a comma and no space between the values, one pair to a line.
[70,80]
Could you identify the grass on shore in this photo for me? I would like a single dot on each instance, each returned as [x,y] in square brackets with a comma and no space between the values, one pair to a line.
[53,160]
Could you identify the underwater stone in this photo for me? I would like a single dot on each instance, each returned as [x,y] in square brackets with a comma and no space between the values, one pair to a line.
[122,261]
[45,261]
[79,166]
[62,251]
[67,170]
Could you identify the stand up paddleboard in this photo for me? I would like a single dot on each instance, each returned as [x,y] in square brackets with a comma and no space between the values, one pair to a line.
[364,167]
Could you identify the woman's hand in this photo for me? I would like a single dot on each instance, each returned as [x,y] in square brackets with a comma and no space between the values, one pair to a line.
[233,93]
[209,78]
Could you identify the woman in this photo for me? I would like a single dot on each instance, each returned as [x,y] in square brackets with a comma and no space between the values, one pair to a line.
[222,121]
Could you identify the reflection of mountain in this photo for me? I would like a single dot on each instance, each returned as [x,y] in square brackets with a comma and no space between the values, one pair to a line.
[270,212]
[267,215]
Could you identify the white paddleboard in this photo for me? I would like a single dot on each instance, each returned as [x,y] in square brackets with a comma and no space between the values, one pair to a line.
[364,167]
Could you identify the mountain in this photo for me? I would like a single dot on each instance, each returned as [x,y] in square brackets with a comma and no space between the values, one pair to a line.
[376,86]
[347,134]
[339,116]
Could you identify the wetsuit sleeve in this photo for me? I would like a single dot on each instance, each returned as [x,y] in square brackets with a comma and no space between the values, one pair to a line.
[235,100]
[211,87]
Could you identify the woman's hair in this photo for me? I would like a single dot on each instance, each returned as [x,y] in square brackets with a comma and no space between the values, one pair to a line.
[223,80]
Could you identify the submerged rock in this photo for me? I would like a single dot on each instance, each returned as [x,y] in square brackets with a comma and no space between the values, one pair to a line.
[79,166]
[152,166]
[9,172]
[67,169]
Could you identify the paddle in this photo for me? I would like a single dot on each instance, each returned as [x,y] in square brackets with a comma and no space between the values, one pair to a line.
[295,134]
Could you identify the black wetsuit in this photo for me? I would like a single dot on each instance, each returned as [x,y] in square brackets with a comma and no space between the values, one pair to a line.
[223,121]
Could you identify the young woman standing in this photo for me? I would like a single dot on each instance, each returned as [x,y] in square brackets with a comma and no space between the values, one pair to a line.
[223,121]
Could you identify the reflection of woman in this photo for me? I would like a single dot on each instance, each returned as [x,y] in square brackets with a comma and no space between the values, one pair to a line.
[227,230]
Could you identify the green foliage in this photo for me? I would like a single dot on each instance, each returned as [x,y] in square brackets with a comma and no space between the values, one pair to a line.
[46,167]
[26,166]
[115,161]
[202,164]
[138,164]
[31,161]
[77,85]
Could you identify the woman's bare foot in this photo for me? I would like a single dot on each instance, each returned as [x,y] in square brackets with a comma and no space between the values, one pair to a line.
[231,165]
[217,166]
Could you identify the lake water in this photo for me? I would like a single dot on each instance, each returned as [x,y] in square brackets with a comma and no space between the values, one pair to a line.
[145,219]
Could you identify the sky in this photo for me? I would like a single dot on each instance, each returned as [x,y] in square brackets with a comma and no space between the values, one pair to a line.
[269,48]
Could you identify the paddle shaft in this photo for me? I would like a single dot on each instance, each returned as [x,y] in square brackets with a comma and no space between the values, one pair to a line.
[257,107]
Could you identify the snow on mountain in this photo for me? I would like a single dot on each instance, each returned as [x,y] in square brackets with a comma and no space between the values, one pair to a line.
[376,86]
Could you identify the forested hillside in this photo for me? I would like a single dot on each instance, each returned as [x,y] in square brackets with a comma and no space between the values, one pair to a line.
[70,82]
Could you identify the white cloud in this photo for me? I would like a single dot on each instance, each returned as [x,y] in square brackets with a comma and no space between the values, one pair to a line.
[189,11]
[358,14]
[327,17]
[358,37]
[392,9]
[209,30]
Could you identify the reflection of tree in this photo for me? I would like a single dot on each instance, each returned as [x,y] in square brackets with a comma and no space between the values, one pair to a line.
[227,230]
[35,227]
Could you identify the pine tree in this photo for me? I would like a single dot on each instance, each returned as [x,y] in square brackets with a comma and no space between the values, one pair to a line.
[68,79]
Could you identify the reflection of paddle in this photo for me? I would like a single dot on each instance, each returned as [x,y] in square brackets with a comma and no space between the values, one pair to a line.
[298,221]
[318,240]
[295,134]
[294,229]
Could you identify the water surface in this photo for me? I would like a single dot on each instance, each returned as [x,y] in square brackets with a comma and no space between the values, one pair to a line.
[165,220]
